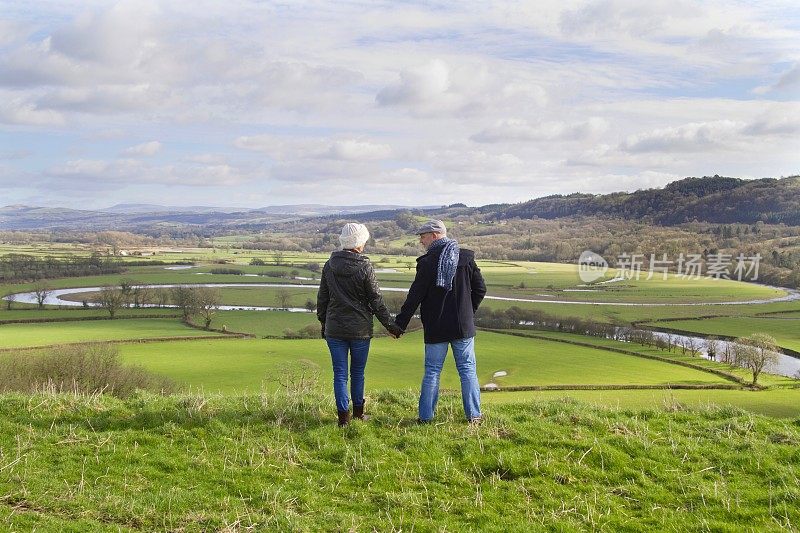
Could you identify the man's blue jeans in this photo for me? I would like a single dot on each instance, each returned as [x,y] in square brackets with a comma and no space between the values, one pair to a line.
[358,350]
[464,354]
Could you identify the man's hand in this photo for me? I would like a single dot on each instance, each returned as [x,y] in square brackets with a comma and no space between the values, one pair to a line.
[322,330]
[395,330]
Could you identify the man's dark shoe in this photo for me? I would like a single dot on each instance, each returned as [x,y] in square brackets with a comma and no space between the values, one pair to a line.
[477,421]
[344,418]
[358,412]
[422,422]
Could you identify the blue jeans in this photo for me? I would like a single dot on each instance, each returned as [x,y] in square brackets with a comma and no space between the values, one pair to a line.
[464,354]
[358,350]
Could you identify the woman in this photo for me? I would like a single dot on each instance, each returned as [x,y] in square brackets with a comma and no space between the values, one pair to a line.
[348,297]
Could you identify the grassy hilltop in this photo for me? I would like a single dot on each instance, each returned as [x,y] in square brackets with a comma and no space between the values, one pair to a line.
[276,461]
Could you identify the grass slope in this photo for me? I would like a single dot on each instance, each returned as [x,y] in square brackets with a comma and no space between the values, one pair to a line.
[780,403]
[27,335]
[278,462]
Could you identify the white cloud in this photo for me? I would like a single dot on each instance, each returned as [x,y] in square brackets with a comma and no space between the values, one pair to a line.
[19,111]
[463,162]
[780,120]
[291,148]
[88,174]
[356,174]
[510,130]
[692,137]
[106,99]
[357,150]
[127,33]
[143,149]
[436,88]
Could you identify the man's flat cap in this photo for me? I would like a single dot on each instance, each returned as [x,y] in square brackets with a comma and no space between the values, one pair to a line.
[431,226]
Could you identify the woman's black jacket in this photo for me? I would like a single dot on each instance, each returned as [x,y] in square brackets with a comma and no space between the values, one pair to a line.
[348,297]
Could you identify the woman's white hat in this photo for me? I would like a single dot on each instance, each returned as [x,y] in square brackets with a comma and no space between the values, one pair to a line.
[353,236]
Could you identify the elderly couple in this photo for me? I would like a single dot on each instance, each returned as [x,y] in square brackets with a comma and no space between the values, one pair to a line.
[448,289]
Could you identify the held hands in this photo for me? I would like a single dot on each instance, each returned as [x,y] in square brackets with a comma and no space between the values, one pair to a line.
[395,330]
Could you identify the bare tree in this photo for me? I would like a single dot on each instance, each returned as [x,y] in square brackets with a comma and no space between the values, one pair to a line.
[41,289]
[680,342]
[162,296]
[661,343]
[184,298]
[712,347]
[283,297]
[10,298]
[141,295]
[111,299]
[755,352]
[729,353]
[279,258]
[670,341]
[127,286]
[311,305]
[693,346]
[206,303]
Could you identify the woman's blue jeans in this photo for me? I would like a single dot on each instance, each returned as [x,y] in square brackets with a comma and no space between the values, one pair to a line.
[358,350]
[464,354]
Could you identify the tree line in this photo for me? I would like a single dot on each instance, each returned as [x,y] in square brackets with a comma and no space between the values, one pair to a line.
[24,267]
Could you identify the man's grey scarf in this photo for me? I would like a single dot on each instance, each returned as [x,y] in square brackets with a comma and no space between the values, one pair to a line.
[448,261]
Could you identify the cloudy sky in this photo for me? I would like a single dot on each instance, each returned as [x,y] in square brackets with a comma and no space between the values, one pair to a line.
[254,103]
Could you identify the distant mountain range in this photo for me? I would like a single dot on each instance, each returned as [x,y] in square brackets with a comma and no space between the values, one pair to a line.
[297,210]
[133,209]
[712,199]
[133,217]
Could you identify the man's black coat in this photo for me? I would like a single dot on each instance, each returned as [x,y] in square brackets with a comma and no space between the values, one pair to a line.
[446,315]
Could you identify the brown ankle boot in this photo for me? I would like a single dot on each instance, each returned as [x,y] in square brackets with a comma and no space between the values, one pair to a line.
[344,418]
[358,412]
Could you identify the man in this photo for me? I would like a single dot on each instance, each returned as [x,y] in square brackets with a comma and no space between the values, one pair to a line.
[448,288]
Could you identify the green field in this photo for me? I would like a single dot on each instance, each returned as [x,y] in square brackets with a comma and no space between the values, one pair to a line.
[27,335]
[263,323]
[79,313]
[241,366]
[619,314]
